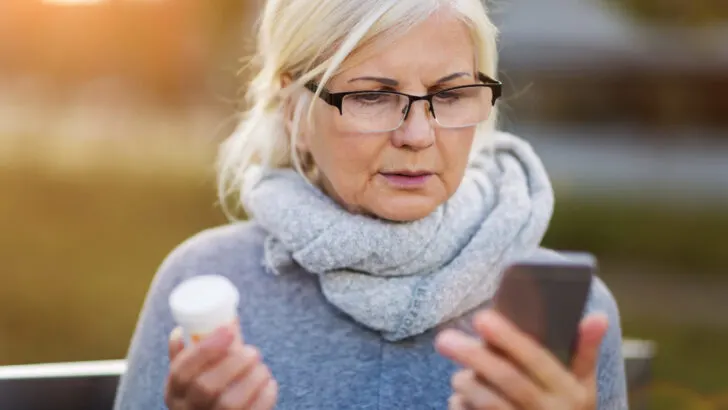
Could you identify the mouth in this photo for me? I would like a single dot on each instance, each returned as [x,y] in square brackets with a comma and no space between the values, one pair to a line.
[406,179]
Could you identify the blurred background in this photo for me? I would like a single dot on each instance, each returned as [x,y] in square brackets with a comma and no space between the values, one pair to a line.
[111,112]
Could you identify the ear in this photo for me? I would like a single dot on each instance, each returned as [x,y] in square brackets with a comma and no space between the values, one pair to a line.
[289,108]
[286,80]
[287,103]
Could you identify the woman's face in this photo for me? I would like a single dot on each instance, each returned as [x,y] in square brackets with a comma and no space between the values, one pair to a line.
[405,174]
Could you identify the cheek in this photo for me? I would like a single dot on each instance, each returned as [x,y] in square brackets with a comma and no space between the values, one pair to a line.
[347,160]
[455,146]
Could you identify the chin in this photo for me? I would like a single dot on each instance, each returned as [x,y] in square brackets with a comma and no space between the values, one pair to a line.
[405,209]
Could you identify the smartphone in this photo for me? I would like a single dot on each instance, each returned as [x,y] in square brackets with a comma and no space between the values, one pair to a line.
[546,300]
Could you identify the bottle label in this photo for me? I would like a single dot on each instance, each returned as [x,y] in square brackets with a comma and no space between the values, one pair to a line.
[191,339]
[194,338]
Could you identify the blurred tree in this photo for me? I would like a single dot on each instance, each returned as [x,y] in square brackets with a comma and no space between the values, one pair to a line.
[173,50]
[231,32]
[679,12]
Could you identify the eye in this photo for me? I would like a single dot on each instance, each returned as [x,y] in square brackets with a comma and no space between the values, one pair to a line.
[449,95]
[368,98]
[373,98]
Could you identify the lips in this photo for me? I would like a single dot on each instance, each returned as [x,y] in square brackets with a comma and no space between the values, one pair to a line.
[407,179]
[412,174]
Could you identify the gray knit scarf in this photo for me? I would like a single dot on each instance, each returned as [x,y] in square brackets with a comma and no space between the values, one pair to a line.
[404,278]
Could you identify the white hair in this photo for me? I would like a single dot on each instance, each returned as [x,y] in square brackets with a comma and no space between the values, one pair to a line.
[313,39]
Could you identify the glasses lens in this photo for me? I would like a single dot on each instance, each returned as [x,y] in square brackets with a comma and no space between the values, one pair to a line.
[374,111]
[380,111]
[463,107]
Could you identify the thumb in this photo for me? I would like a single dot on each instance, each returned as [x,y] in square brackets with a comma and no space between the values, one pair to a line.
[176,343]
[591,332]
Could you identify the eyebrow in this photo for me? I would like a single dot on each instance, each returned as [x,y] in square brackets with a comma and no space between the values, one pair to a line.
[386,81]
[394,83]
[452,77]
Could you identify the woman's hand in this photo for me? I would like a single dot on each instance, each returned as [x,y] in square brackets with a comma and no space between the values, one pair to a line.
[218,373]
[523,375]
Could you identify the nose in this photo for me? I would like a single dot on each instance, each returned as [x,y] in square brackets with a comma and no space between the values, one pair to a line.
[417,132]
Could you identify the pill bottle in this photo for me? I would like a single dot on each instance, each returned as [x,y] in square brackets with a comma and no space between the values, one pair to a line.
[202,304]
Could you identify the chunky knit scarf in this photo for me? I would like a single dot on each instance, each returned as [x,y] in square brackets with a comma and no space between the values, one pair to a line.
[402,279]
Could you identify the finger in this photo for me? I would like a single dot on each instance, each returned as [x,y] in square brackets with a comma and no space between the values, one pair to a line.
[207,388]
[455,402]
[495,370]
[527,354]
[475,395]
[591,333]
[192,361]
[267,398]
[176,343]
[245,391]
[236,328]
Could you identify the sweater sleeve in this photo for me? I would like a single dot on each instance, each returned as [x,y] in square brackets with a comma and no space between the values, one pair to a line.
[142,385]
[611,374]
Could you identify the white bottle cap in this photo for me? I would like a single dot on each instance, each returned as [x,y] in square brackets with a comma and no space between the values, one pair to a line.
[204,303]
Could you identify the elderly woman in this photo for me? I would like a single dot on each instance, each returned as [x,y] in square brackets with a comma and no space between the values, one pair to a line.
[383,206]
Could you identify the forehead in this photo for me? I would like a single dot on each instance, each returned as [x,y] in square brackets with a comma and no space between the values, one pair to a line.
[440,45]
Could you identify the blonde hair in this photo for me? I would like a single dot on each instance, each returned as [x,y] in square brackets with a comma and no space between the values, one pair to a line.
[313,39]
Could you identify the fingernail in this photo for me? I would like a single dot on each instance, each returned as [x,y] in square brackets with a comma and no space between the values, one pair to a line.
[601,316]
[252,353]
[451,340]
[176,334]
[487,318]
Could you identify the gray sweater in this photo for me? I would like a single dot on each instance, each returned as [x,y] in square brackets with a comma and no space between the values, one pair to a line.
[319,356]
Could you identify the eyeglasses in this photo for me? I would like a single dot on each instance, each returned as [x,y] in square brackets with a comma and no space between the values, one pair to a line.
[383,111]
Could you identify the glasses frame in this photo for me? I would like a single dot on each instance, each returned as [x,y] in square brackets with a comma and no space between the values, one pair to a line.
[337,99]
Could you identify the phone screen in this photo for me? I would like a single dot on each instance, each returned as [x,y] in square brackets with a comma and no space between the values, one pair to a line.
[546,301]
